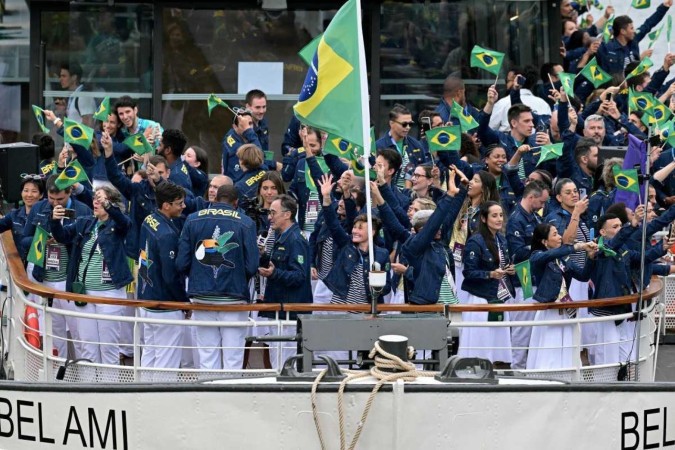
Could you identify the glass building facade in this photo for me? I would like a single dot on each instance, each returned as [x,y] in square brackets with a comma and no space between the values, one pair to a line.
[172,55]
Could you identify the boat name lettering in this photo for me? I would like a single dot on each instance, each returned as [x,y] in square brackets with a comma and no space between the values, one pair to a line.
[651,433]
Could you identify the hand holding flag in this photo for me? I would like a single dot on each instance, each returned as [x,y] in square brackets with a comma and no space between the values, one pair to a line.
[39,116]
[444,138]
[213,101]
[524,272]
[76,133]
[73,173]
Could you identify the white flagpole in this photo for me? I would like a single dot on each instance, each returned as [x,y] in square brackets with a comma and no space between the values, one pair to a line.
[365,126]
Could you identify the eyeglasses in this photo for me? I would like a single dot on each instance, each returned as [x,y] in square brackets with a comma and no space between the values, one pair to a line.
[273,213]
[405,124]
[31,176]
[178,203]
[417,175]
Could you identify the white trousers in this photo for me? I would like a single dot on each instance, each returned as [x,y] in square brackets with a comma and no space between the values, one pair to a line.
[162,347]
[100,338]
[520,336]
[60,324]
[220,347]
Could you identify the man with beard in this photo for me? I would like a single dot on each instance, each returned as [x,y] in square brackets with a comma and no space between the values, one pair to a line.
[581,165]
[126,109]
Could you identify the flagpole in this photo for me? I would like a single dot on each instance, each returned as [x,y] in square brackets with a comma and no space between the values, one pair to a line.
[640,304]
[365,129]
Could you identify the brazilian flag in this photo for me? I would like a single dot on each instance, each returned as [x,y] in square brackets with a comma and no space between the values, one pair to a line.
[640,101]
[654,36]
[641,4]
[214,101]
[595,74]
[339,147]
[608,30]
[604,249]
[444,138]
[667,133]
[466,120]
[37,252]
[76,133]
[551,151]
[39,116]
[485,59]
[658,115]
[73,173]
[103,110]
[643,67]
[567,81]
[138,144]
[626,179]
[308,51]
[524,273]
[309,181]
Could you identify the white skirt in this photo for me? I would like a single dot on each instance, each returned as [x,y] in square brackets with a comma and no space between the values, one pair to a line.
[462,296]
[551,346]
[493,343]
[579,292]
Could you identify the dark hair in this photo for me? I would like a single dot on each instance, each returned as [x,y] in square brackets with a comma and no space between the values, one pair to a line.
[546,70]
[168,192]
[560,183]
[392,157]
[490,190]
[531,75]
[114,196]
[398,110]
[576,39]
[540,233]
[547,179]
[618,210]
[620,23]
[604,218]
[241,113]
[289,204]
[73,68]
[583,148]
[484,231]
[39,184]
[125,102]
[452,84]
[377,223]
[468,148]
[176,140]
[534,187]
[516,110]
[316,132]
[202,157]
[274,177]
[53,188]
[253,94]
[45,144]
[227,194]
[158,159]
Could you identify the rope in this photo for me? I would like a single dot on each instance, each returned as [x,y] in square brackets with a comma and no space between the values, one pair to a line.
[383,360]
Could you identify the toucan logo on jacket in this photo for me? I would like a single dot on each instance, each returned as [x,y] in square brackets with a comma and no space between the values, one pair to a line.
[211,252]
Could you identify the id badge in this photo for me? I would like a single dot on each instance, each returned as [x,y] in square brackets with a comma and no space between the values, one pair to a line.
[105,274]
[503,293]
[312,212]
[53,261]
[457,252]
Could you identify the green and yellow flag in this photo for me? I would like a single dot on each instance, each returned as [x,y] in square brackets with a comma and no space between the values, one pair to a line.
[654,35]
[37,251]
[643,67]
[103,110]
[626,179]
[214,101]
[40,117]
[73,173]
[309,181]
[641,4]
[640,101]
[659,114]
[339,147]
[334,93]
[550,151]
[76,133]
[524,272]
[567,82]
[444,138]
[607,31]
[485,59]
[308,51]
[466,120]
[669,27]
[604,249]
[138,144]
[667,133]
[595,74]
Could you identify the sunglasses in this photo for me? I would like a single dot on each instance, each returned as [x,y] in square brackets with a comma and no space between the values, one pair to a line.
[31,176]
[405,124]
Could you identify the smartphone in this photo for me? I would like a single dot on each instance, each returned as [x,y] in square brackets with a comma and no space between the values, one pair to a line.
[425,125]
[671,231]
[69,213]
[609,97]
[598,38]
[520,80]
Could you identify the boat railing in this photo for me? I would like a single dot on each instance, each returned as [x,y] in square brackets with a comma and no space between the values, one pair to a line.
[28,362]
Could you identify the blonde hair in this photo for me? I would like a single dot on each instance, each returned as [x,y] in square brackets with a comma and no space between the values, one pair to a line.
[608,175]
[250,156]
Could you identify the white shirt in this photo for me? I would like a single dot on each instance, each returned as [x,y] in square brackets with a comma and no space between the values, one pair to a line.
[499,119]
[85,105]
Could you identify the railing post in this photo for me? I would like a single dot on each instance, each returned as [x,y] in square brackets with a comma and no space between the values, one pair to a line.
[137,347]
[576,340]
[47,343]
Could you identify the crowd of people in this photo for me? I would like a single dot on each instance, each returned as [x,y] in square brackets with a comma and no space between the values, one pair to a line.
[448,226]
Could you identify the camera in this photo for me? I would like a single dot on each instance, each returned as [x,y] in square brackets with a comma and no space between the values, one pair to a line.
[252,209]
[69,213]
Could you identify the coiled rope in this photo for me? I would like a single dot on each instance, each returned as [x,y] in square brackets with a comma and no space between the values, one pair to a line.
[383,360]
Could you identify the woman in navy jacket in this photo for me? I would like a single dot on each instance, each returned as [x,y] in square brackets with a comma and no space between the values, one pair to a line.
[32,191]
[348,279]
[99,268]
[551,347]
[487,271]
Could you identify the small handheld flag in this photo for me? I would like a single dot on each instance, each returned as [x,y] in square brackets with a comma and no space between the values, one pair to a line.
[73,173]
[595,74]
[626,179]
[466,120]
[643,67]
[103,110]
[551,151]
[309,181]
[214,101]
[138,144]
[444,138]
[485,59]
[604,249]
[567,81]
[339,147]
[76,133]
[39,116]
[37,252]
[641,4]
[524,273]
